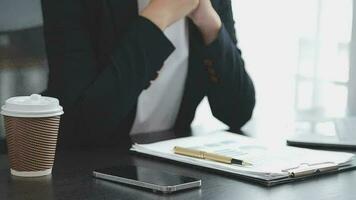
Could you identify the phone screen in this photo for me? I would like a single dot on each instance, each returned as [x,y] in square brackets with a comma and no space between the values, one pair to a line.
[147,175]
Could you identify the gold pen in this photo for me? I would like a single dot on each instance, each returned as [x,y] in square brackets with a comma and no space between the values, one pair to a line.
[208,156]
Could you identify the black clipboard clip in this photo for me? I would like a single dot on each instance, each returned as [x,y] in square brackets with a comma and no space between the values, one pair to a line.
[306,169]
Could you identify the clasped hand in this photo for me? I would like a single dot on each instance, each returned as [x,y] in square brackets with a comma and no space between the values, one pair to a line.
[164,13]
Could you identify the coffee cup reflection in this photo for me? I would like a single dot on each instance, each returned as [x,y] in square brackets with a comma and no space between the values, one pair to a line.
[30,188]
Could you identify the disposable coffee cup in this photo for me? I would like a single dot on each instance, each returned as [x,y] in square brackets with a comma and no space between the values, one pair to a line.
[31,128]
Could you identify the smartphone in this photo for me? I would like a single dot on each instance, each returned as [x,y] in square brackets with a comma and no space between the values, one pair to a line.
[147,178]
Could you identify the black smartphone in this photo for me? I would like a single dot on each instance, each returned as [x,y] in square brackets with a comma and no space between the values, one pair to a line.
[147,178]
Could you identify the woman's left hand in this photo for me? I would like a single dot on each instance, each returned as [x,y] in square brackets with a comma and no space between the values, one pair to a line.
[207,20]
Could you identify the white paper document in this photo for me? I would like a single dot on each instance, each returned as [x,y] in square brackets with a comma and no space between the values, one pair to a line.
[268,162]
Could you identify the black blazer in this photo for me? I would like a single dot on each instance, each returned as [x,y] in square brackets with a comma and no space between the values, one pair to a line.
[102,55]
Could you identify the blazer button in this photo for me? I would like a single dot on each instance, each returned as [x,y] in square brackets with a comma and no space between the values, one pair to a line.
[211,71]
[214,79]
[208,63]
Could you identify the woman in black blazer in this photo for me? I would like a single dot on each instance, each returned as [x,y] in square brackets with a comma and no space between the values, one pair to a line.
[103,53]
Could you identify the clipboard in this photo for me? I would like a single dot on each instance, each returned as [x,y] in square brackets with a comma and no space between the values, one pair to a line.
[295,175]
[315,171]
[300,163]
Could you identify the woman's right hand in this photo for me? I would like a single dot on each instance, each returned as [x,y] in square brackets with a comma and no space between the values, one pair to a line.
[163,13]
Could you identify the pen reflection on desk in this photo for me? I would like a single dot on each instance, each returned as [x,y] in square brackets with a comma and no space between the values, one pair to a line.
[209,156]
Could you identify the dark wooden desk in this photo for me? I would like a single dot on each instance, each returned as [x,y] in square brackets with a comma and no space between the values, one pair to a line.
[72,179]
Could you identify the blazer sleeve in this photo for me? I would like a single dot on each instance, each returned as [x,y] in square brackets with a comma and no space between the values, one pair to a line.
[231,92]
[101,98]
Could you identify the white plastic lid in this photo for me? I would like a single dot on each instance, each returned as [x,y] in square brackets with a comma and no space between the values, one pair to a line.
[32,106]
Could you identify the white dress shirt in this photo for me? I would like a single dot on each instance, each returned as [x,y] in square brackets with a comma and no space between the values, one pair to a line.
[158,106]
